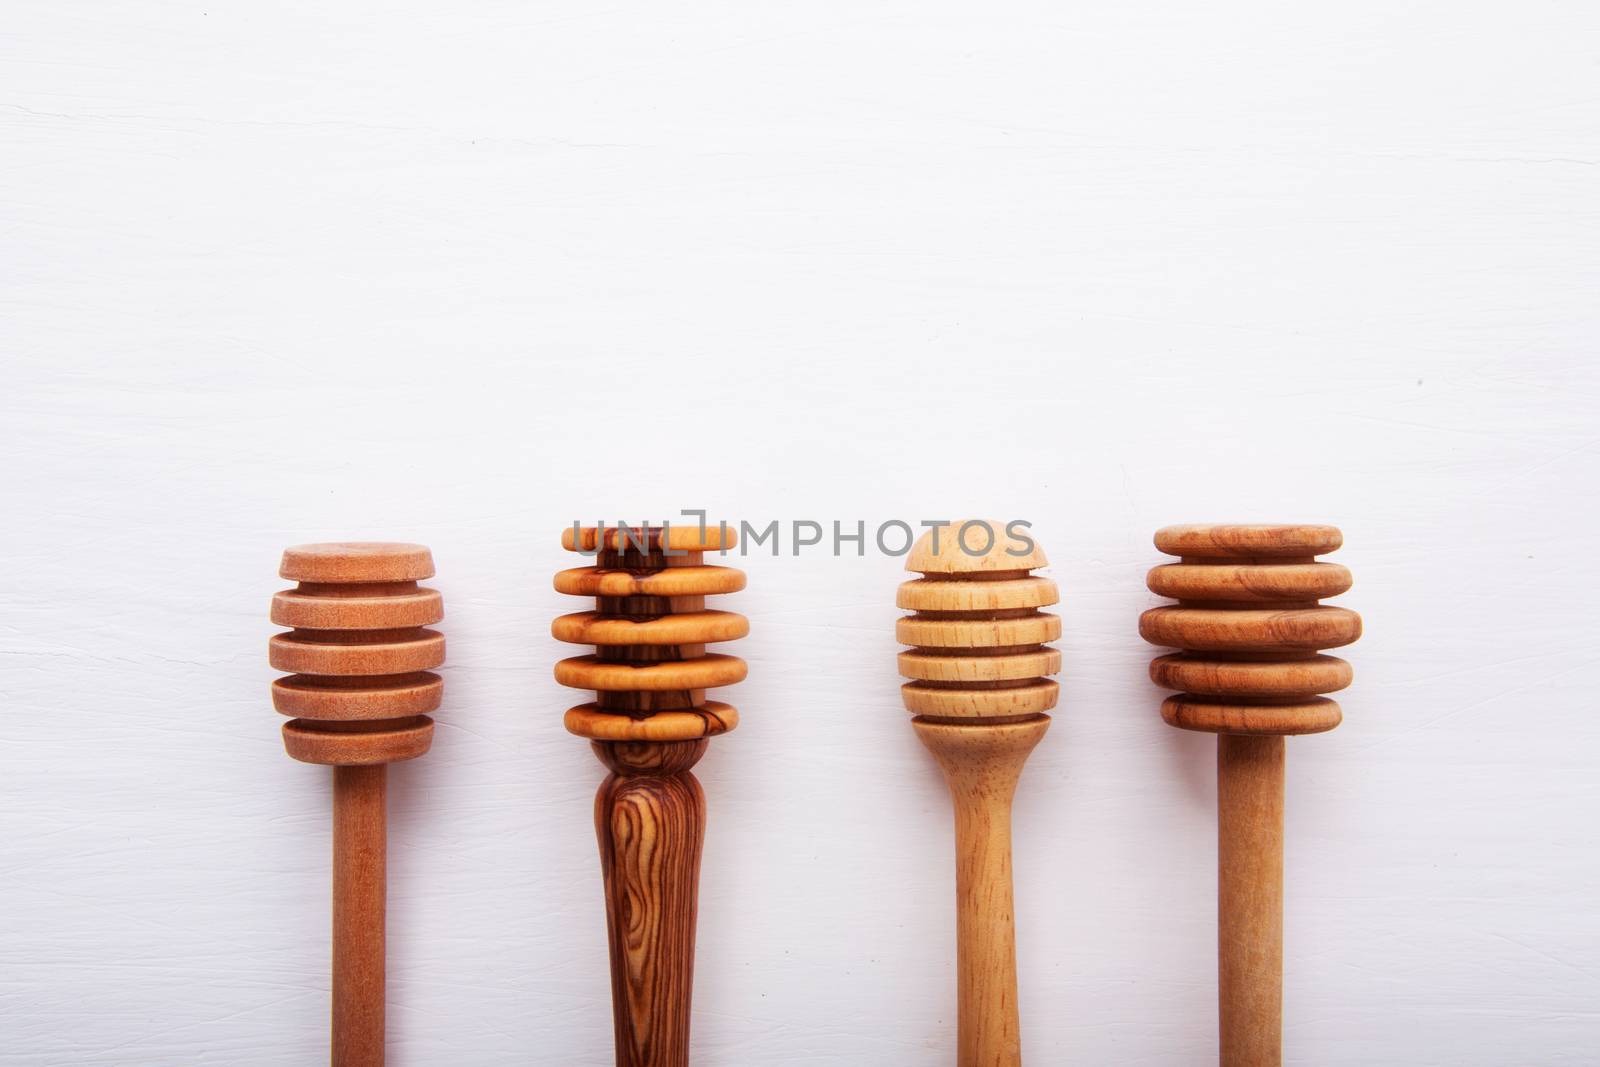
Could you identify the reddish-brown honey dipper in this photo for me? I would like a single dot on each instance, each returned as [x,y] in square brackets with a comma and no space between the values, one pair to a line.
[360,693]
[649,725]
[1251,629]
[979,692]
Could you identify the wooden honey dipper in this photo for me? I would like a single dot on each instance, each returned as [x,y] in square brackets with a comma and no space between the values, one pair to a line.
[360,693]
[649,725]
[1251,629]
[979,694]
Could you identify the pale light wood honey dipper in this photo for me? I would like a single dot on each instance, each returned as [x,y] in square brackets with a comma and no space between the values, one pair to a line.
[360,693]
[979,693]
[649,725]
[1251,629]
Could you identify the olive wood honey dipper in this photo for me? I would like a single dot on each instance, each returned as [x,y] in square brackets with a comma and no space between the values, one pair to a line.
[360,693]
[979,692]
[650,724]
[1251,630]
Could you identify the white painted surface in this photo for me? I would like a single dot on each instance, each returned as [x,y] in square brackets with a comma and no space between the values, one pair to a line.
[462,273]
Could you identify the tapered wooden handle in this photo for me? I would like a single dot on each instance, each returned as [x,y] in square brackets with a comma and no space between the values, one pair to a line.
[360,882]
[650,818]
[649,723]
[1250,899]
[981,764]
[979,688]
[989,1025]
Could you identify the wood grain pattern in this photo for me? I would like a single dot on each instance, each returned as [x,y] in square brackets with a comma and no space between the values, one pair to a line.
[650,818]
[979,692]
[710,718]
[1251,629]
[362,688]
[650,724]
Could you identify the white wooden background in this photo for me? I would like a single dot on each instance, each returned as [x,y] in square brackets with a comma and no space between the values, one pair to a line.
[463,273]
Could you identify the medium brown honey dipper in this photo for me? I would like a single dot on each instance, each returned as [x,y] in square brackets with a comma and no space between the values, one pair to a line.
[649,725]
[979,695]
[1251,629]
[360,693]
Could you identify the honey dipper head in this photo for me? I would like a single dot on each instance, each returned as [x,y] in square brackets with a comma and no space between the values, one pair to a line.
[360,650]
[1251,628]
[978,636]
[650,627]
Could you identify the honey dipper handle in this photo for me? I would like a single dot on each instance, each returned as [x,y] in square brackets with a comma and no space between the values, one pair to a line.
[650,817]
[982,764]
[1250,899]
[359,886]
[986,950]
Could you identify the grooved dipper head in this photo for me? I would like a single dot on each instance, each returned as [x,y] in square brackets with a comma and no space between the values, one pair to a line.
[1250,626]
[360,650]
[650,626]
[979,652]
